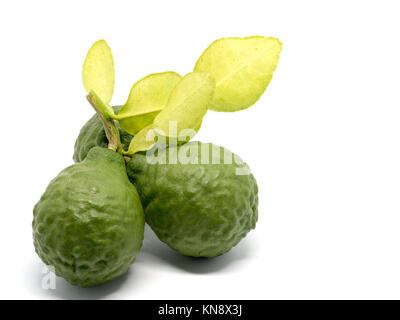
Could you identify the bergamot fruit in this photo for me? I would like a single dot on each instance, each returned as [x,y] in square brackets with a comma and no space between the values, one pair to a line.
[89,223]
[198,198]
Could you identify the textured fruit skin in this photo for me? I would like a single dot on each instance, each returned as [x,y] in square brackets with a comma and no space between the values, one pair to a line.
[200,210]
[89,223]
[92,135]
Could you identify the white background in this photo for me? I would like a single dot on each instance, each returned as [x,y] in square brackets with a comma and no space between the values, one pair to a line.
[323,141]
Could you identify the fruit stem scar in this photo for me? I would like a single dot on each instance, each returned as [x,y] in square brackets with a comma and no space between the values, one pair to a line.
[112,133]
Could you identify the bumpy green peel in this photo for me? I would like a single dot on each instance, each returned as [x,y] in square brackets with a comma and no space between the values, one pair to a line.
[198,209]
[89,224]
[242,69]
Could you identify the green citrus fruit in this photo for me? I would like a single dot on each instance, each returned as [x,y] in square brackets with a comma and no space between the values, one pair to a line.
[89,223]
[92,135]
[199,209]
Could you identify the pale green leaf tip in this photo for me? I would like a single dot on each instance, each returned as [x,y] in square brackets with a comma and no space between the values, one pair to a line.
[100,42]
[278,41]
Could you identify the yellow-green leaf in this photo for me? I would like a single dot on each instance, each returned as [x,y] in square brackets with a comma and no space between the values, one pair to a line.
[242,69]
[98,71]
[187,104]
[143,141]
[183,114]
[147,98]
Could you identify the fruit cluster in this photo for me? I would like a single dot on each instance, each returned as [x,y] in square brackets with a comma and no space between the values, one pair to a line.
[134,164]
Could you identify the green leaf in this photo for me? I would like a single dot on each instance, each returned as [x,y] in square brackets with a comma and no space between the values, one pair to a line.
[182,116]
[242,69]
[143,141]
[147,98]
[187,103]
[98,71]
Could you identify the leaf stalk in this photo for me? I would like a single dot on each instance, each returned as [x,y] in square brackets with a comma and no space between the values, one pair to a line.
[112,133]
